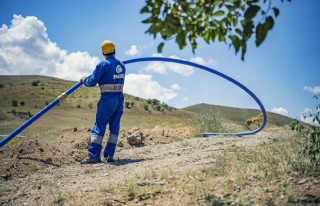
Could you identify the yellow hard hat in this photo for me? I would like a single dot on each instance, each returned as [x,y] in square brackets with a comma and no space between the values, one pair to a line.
[107,47]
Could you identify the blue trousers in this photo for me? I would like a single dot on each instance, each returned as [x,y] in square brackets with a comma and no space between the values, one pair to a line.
[109,111]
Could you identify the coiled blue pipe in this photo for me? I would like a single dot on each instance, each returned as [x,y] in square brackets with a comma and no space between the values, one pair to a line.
[163,59]
[179,61]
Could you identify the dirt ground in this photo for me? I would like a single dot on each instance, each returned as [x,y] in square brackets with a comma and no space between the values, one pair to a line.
[42,173]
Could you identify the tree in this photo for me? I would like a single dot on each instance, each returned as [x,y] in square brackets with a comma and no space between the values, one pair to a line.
[231,22]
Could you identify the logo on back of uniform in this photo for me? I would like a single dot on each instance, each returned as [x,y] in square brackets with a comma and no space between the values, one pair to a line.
[118,70]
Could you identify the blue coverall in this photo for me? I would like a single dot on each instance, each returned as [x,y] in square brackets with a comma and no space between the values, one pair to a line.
[110,75]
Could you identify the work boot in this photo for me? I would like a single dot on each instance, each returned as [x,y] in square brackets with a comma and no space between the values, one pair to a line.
[108,159]
[89,160]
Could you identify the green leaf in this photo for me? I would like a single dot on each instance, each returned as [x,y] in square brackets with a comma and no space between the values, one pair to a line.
[239,31]
[218,13]
[276,11]
[145,9]
[181,39]
[235,42]
[251,12]
[263,29]
[235,22]
[243,50]
[247,30]
[149,20]
[269,22]
[260,34]
[160,47]
[206,36]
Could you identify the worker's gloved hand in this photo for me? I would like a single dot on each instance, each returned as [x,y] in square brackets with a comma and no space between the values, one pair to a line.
[82,79]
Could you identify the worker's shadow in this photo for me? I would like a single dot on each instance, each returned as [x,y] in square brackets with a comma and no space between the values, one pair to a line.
[120,162]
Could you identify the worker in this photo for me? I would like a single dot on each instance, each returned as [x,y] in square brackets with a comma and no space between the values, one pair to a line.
[109,75]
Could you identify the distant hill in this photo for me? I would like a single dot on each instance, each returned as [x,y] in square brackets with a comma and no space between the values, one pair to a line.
[239,115]
[24,94]
[28,94]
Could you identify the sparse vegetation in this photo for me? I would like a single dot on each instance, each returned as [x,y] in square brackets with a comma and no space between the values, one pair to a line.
[206,121]
[309,160]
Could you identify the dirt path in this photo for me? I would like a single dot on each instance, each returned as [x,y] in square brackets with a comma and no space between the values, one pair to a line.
[75,184]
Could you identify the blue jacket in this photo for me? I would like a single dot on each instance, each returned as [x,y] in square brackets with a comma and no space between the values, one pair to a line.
[109,71]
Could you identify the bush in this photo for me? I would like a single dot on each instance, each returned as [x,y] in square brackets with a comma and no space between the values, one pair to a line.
[35,83]
[1,86]
[206,121]
[127,104]
[157,107]
[146,107]
[22,104]
[15,103]
[132,104]
[311,147]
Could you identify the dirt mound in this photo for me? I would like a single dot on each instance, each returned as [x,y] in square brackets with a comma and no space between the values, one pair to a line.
[159,134]
[26,157]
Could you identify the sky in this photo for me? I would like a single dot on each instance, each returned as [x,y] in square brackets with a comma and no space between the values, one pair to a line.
[63,39]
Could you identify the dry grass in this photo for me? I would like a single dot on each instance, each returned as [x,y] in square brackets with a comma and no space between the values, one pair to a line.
[261,175]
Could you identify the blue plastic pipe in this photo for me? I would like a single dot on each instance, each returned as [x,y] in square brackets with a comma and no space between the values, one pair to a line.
[144,59]
[179,61]
[39,114]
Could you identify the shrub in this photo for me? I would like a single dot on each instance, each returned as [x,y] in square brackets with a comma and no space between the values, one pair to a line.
[206,121]
[15,103]
[311,147]
[1,86]
[22,103]
[146,107]
[149,101]
[127,104]
[157,107]
[35,83]
[132,104]
[155,101]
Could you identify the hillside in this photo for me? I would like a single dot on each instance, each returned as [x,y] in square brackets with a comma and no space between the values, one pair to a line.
[239,115]
[22,95]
